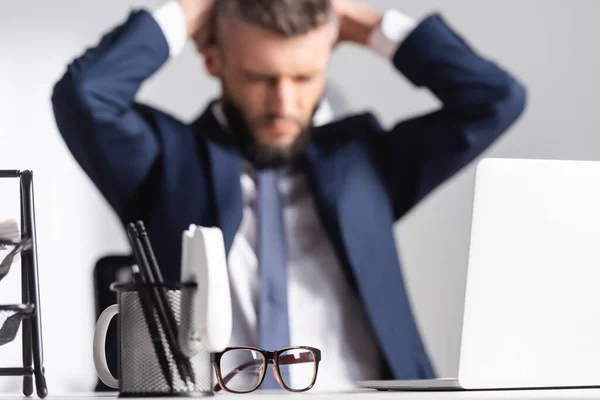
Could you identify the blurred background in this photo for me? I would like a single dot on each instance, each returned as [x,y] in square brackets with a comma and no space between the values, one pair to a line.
[547,44]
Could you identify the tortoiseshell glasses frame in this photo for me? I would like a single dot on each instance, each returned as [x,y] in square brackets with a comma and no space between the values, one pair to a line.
[277,358]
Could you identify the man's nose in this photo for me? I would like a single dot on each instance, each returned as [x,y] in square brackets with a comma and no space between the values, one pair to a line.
[283,97]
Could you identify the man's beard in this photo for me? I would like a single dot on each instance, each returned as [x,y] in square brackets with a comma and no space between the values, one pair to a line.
[259,154]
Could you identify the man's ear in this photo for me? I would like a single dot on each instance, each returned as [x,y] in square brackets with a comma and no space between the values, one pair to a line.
[212,61]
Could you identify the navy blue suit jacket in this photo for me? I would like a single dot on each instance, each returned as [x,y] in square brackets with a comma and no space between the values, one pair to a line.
[151,166]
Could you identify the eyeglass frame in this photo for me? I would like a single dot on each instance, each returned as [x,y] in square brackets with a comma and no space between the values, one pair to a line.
[268,357]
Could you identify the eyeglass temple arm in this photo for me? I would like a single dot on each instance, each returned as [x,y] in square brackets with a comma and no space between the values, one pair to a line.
[283,360]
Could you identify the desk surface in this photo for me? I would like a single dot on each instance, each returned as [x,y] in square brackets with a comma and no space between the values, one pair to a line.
[369,394]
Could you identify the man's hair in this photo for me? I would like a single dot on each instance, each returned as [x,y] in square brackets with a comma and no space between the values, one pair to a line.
[285,17]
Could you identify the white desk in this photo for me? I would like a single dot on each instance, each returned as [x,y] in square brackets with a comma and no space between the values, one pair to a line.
[368,394]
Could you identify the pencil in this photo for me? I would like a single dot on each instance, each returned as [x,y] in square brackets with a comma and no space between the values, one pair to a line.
[165,313]
[146,304]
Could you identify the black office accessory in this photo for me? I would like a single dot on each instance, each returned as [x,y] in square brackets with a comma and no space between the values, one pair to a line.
[148,306]
[151,272]
[157,277]
[28,313]
[140,374]
[143,235]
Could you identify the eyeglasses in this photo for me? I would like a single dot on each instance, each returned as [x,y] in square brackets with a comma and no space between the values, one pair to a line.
[243,369]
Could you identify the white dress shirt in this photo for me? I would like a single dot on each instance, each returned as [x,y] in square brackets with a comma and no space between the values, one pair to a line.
[324,312]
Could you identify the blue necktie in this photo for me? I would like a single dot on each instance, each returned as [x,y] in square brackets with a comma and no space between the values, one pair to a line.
[273,328]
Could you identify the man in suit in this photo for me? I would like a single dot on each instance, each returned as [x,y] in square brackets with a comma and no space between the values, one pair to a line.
[306,209]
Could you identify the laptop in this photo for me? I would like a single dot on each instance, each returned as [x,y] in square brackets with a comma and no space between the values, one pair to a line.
[532,304]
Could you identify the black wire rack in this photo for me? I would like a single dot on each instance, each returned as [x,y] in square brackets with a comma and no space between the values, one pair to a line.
[28,313]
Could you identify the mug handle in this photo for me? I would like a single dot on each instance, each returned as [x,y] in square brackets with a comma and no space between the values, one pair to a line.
[100,347]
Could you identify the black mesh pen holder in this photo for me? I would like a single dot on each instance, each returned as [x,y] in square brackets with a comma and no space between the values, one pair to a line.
[151,362]
[26,315]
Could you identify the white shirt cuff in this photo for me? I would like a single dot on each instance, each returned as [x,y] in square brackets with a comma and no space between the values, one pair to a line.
[391,32]
[171,20]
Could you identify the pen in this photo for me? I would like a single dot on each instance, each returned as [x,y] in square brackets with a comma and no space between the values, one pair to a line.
[154,269]
[146,304]
[165,313]
[157,277]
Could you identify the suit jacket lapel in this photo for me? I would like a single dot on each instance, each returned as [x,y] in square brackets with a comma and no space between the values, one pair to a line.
[353,200]
[225,172]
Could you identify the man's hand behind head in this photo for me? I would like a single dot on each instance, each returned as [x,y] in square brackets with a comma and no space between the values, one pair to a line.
[356,20]
[198,18]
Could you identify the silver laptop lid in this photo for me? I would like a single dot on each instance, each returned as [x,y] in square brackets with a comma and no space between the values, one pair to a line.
[532,299]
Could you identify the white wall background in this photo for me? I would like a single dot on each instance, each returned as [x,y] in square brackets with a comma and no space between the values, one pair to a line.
[550,45]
